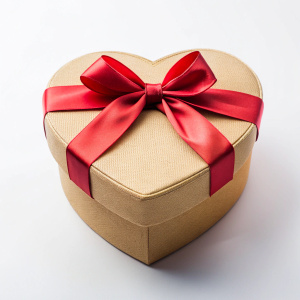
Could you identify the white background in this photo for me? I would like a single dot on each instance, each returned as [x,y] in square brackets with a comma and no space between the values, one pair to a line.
[47,252]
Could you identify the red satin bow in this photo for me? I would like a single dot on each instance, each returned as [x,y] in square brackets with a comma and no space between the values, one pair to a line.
[110,85]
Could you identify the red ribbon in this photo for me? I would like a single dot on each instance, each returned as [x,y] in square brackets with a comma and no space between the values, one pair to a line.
[111,85]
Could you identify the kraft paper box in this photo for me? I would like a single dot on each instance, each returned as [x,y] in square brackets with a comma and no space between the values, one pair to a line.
[150,190]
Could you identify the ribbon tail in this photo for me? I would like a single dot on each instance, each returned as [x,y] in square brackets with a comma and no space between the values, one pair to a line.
[204,138]
[100,134]
[74,97]
[230,103]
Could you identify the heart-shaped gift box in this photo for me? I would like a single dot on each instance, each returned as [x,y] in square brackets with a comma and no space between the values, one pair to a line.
[149,193]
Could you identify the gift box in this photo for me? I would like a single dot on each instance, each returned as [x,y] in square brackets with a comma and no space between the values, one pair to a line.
[152,154]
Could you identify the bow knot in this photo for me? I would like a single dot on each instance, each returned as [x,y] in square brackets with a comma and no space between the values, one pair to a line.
[153,93]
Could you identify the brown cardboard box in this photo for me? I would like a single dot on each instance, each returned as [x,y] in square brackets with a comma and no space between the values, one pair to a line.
[150,189]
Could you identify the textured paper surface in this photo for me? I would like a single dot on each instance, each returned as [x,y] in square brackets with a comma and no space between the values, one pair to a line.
[151,243]
[146,176]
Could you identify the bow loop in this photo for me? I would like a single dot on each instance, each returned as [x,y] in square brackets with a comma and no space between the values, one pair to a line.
[110,77]
[190,76]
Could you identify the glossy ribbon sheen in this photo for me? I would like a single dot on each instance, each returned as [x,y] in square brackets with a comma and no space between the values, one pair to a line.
[111,85]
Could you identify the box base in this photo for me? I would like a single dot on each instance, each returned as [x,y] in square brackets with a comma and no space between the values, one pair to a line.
[151,243]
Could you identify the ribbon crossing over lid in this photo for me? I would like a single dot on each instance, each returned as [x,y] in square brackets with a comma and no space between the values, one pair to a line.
[110,85]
